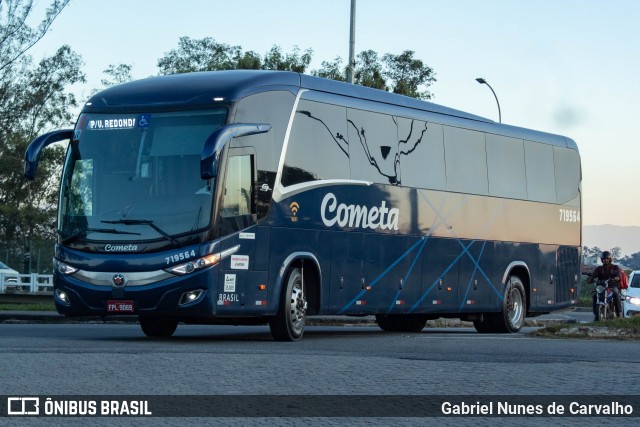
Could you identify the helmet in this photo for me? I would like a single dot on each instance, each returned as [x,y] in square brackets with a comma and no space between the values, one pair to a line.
[606,255]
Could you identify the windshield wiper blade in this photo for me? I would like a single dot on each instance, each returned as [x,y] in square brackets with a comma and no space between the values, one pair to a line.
[83,233]
[143,222]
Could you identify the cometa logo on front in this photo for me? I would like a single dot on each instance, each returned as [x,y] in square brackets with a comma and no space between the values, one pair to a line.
[120,248]
[358,216]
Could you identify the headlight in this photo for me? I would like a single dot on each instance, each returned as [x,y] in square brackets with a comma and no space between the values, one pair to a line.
[599,288]
[63,268]
[633,300]
[204,262]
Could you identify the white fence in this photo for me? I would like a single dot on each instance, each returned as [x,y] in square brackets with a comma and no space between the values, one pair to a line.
[26,283]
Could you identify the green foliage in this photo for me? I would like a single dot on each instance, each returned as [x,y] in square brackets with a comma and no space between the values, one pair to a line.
[407,74]
[28,307]
[369,71]
[401,74]
[209,55]
[32,100]
[632,261]
[332,70]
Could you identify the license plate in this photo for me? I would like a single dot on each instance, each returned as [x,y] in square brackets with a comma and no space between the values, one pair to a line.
[120,306]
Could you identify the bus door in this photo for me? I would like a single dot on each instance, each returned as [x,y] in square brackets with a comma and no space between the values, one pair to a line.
[243,272]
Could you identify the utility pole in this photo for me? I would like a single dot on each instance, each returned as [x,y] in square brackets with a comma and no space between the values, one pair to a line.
[352,44]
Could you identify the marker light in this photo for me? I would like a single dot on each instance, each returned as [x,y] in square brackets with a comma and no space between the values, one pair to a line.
[204,262]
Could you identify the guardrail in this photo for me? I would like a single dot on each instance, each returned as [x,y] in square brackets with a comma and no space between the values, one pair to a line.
[26,283]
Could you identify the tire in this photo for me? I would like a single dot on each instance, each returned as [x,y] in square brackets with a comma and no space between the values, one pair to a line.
[514,308]
[601,313]
[158,327]
[610,312]
[288,324]
[401,322]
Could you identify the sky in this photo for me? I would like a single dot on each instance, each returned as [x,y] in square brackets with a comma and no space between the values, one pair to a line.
[569,67]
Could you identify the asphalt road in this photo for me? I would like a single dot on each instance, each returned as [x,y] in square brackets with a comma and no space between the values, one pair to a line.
[117,359]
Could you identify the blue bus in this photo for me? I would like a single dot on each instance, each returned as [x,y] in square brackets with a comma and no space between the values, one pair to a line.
[255,197]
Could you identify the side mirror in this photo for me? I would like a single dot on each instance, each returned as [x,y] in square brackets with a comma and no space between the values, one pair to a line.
[218,139]
[34,150]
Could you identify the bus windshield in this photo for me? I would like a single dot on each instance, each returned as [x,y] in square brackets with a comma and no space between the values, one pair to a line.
[136,177]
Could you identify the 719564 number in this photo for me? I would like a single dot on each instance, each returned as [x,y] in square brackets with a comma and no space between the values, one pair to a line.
[180,256]
[569,215]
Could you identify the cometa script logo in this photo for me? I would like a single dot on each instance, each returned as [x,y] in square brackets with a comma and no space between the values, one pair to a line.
[120,248]
[358,216]
[294,206]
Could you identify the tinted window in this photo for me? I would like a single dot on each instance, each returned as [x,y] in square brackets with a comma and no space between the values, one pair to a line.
[505,160]
[374,147]
[237,198]
[567,168]
[422,154]
[466,161]
[541,182]
[318,147]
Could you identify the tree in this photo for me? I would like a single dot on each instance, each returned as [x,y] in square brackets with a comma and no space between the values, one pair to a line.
[33,99]
[117,74]
[332,70]
[209,55]
[401,74]
[199,55]
[276,60]
[369,71]
[16,37]
[632,261]
[408,74]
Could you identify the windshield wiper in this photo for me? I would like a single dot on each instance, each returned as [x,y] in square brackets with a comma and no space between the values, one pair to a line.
[143,222]
[83,233]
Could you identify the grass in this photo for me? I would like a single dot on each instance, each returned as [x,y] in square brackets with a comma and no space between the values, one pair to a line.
[27,307]
[627,328]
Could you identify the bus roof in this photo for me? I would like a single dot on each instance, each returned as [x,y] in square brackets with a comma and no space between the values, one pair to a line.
[204,88]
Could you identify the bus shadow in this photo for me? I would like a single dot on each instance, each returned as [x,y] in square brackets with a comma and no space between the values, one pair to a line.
[189,334]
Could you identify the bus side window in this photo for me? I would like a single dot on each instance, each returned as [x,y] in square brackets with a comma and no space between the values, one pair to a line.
[237,210]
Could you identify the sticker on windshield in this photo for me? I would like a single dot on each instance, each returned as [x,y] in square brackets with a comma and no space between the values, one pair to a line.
[112,124]
[144,120]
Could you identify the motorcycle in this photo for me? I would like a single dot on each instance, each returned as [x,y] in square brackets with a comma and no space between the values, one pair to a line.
[605,305]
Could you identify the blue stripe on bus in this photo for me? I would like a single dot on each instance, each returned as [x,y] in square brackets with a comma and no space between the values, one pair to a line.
[482,271]
[415,260]
[384,273]
[464,299]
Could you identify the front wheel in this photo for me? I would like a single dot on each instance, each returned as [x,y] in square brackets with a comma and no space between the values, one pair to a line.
[158,327]
[601,313]
[288,324]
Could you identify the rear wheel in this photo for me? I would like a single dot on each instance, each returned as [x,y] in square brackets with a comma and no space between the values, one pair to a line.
[288,324]
[401,322]
[511,318]
[158,327]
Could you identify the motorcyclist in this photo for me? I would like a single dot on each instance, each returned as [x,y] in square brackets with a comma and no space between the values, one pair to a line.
[608,270]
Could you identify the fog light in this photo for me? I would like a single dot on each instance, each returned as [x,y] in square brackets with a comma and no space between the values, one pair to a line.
[191,296]
[62,297]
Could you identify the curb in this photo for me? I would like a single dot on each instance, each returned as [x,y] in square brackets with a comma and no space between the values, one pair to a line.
[53,317]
